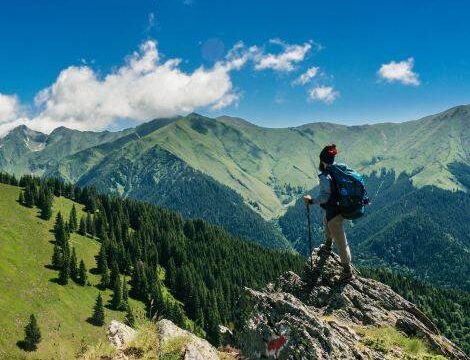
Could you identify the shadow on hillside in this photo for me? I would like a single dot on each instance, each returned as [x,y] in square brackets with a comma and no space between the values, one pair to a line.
[55,281]
[92,322]
[25,346]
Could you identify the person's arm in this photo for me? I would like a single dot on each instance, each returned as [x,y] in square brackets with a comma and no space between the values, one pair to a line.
[325,192]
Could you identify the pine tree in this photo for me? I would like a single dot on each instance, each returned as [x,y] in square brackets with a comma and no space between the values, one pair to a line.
[129,320]
[104,282]
[32,334]
[46,207]
[28,197]
[98,312]
[114,277]
[82,274]
[56,261]
[73,219]
[82,227]
[101,260]
[60,231]
[116,300]
[125,291]
[73,265]
[21,198]
[64,272]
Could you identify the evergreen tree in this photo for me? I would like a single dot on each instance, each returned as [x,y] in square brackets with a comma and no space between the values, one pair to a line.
[129,320]
[82,274]
[29,196]
[90,227]
[98,312]
[114,277]
[116,300]
[56,261]
[21,198]
[46,208]
[32,334]
[64,271]
[73,266]
[104,282]
[101,260]
[82,227]
[60,232]
[125,291]
[73,224]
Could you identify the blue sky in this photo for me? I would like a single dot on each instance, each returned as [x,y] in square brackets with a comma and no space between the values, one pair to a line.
[424,47]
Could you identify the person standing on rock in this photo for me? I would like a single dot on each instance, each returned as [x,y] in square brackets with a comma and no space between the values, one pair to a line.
[333,220]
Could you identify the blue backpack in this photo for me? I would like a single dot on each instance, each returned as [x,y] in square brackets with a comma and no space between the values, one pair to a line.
[351,195]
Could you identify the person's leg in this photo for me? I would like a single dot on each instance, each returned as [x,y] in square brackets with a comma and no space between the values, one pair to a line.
[336,229]
[328,236]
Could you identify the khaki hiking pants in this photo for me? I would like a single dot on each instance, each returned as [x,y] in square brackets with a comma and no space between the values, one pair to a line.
[334,230]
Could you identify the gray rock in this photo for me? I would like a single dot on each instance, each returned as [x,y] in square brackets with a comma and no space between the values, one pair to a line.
[120,334]
[317,317]
[195,348]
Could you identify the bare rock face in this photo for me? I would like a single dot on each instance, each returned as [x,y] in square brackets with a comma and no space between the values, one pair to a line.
[317,317]
[120,334]
[195,348]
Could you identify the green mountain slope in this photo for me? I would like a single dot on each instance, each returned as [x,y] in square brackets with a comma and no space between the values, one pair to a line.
[159,177]
[28,286]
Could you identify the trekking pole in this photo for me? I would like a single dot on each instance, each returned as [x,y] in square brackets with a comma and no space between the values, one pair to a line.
[309,224]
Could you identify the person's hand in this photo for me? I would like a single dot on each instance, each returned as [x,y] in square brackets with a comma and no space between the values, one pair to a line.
[308,199]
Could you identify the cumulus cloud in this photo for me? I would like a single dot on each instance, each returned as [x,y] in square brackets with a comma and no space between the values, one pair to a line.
[11,114]
[144,87]
[326,94]
[401,72]
[9,108]
[141,89]
[307,76]
[283,61]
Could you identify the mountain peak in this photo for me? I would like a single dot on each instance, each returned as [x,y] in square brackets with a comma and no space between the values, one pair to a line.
[319,317]
[25,132]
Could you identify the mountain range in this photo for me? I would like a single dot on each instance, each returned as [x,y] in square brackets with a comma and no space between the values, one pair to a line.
[249,179]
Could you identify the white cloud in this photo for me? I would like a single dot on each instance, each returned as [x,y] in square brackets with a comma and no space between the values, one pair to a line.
[11,114]
[283,61]
[9,108]
[326,94]
[307,76]
[400,72]
[144,87]
[141,89]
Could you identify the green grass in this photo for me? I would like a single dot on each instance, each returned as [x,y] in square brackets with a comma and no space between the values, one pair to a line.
[27,285]
[395,345]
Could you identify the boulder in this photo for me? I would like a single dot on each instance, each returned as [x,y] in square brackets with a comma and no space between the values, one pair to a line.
[194,348]
[120,335]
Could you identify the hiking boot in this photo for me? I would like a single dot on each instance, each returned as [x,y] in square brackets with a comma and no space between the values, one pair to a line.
[325,250]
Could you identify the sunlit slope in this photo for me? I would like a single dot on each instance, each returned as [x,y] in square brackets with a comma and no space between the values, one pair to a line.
[27,285]
[259,162]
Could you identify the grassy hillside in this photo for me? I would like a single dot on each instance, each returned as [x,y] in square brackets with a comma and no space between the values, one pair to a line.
[28,286]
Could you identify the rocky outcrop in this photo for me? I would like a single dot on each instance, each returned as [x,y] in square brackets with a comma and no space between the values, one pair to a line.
[315,316]
[193,347]
[120,335]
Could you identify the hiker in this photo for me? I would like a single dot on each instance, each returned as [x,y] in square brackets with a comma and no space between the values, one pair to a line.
[333,220]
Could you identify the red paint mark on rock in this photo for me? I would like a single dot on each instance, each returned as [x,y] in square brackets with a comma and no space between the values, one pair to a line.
[275,346]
